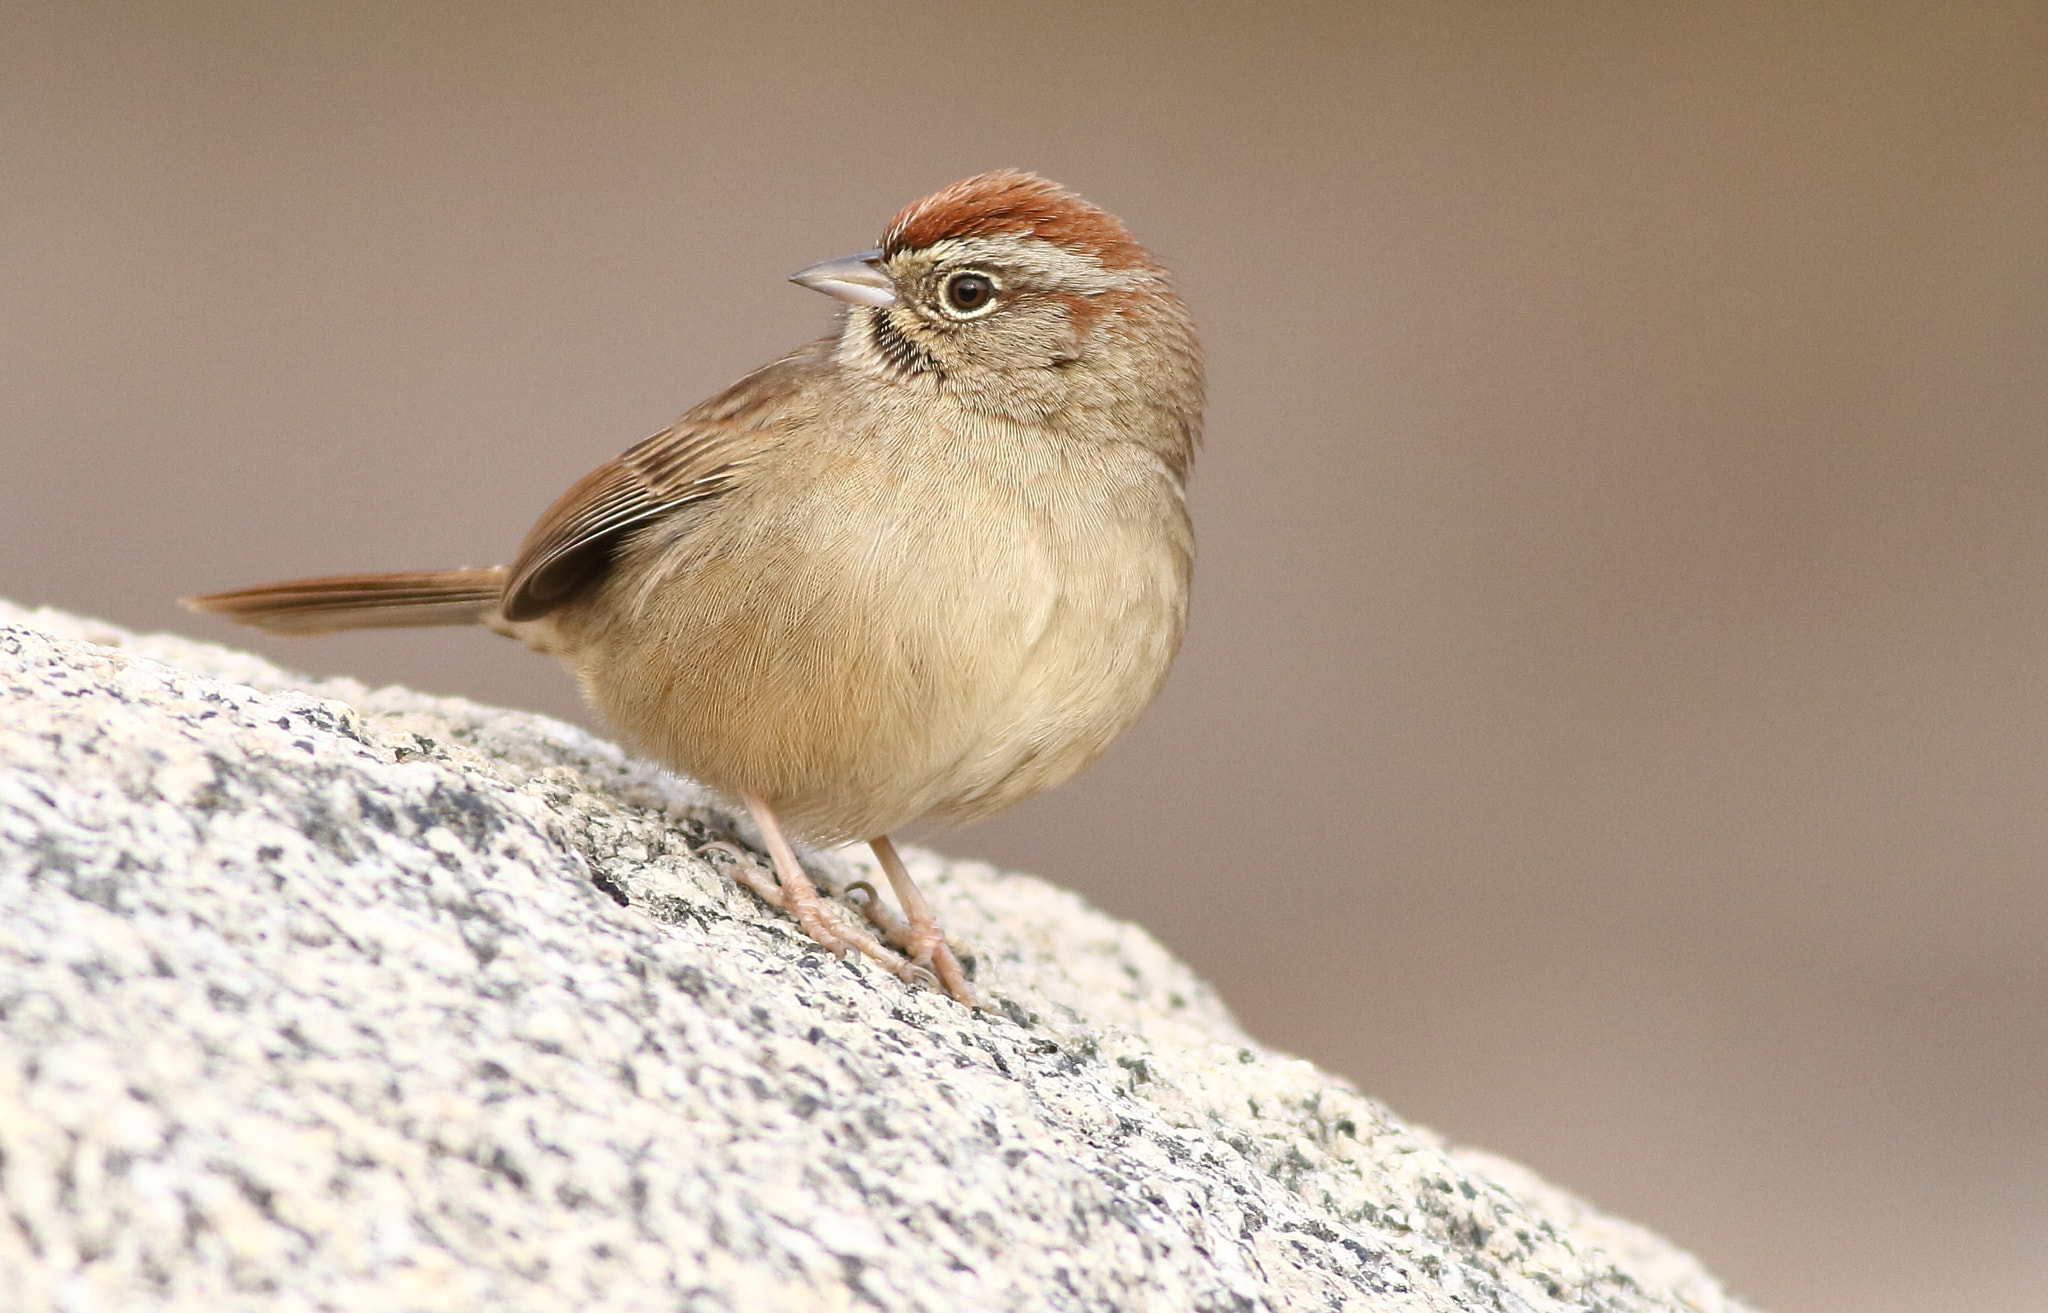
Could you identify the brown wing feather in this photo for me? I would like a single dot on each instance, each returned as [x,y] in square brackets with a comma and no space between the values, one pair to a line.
[702,455]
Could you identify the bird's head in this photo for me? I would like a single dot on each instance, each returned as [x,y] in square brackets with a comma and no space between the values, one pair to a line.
[1021,298]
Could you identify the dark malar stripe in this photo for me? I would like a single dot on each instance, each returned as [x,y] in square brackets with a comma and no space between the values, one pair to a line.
[904,356]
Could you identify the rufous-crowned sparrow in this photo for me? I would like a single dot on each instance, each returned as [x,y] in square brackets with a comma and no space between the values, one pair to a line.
[922,568]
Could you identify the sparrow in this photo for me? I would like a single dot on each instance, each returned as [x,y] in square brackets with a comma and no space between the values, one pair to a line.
[918,570]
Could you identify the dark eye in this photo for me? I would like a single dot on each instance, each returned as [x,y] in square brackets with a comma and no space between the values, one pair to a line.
[969,293]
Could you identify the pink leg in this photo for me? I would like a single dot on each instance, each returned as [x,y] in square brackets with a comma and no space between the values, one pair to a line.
[924,941]
[794,893]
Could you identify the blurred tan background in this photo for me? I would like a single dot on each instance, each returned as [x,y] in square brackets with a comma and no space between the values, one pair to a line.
[1614,728]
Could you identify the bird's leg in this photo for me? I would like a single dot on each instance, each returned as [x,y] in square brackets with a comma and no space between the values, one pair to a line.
[794,893]
[922,939]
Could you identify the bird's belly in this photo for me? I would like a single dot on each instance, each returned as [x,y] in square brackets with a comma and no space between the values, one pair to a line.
[941,669]
[1097,658]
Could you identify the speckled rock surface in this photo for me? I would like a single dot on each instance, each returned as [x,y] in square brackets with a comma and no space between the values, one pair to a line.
[320,997]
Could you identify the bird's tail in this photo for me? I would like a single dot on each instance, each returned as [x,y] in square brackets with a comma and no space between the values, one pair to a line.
[362,601]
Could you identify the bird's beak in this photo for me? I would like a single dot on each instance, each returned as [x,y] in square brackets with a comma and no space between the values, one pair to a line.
[856,278]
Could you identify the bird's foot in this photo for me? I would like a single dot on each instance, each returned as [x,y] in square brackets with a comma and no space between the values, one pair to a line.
[918,934]
[924,945]
[799,899]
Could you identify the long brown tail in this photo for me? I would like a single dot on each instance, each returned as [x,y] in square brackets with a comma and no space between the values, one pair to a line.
[361,601]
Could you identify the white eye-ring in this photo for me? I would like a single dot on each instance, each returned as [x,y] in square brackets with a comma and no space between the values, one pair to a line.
[969,294]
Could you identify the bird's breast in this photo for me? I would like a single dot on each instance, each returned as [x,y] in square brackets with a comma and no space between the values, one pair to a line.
[900,634]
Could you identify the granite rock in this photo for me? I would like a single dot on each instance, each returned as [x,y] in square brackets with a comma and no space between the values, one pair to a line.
[316,996]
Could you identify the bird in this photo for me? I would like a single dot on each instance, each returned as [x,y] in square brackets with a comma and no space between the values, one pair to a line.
[917,570]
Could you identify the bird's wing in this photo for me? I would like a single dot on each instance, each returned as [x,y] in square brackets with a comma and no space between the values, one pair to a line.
[702,455]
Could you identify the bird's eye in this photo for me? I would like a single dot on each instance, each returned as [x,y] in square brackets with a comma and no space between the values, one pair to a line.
[970,294]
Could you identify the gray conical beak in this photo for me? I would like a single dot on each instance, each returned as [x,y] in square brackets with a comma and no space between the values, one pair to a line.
[856,278]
